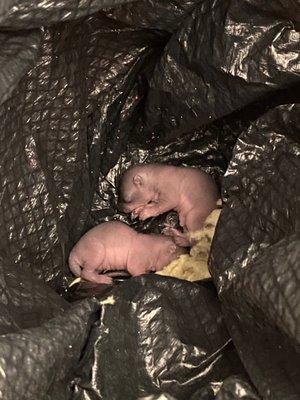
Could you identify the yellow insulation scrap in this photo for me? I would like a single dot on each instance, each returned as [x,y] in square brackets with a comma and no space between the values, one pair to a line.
[194,266]
[76,280]
[109,300]
[186,267]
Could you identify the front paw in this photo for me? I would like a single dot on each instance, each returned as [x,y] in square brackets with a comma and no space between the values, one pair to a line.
[145,214]
[136,212]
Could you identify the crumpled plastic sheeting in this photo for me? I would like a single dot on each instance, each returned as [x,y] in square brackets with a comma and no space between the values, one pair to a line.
[44,141]
[225,56]
[256,252]
[39,363]
[288,9]
[233,388]
[165,15]
[18,53]
[42,337]
[156,337]
[25,302]
[70,126]
[28,14]
[236,388]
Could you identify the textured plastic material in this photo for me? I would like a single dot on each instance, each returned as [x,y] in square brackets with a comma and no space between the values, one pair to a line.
[89,88]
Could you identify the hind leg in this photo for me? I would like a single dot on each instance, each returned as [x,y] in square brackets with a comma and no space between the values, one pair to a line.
[180,238]
[195,221]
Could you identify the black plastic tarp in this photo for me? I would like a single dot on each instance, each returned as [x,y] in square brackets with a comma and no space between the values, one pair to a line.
[89,88]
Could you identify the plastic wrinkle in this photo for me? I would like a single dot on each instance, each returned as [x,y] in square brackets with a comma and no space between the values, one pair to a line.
[89,88]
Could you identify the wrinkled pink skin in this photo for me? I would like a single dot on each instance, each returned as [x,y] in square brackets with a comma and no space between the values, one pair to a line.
[150,190]
[116,246]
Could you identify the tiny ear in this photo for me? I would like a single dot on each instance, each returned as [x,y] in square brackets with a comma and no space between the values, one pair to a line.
[172,248]
[138,180]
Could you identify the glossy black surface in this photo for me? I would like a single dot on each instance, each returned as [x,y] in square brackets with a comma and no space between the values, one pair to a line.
[88,88]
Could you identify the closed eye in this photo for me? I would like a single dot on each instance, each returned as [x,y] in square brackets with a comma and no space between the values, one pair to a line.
[152,202]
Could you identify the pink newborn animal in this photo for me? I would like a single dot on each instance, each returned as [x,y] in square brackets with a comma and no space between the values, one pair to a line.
[149,190]
[116,246]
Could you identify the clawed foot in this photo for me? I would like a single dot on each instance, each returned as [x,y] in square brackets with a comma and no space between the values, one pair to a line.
[180,238]
[146,211]
[136,213]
